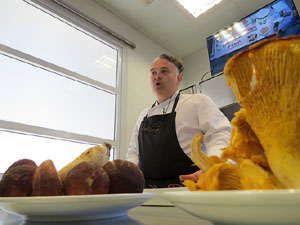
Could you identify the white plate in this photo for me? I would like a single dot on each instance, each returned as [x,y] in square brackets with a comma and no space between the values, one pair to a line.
[158,200]
[272,207]
[73,208]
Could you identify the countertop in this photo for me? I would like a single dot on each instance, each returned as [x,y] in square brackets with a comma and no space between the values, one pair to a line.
[142,215]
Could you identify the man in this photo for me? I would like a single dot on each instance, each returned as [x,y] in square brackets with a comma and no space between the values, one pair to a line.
[161,141]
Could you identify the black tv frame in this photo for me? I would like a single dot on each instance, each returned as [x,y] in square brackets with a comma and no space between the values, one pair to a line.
[224,58]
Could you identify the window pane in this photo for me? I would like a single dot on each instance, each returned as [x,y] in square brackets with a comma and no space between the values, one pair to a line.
[33,96]
[69,48]
[39,149]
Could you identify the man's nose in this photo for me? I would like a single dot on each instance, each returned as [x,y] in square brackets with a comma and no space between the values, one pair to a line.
[158,75]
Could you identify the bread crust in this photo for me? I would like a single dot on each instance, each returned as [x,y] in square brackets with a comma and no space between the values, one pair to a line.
[86,179]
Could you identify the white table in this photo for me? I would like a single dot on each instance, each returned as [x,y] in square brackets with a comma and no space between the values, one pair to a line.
[142,215]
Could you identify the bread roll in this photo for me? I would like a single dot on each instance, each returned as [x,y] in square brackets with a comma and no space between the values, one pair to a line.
[86,179]
[124,176]
[17,179]
[98,155]
[46,181]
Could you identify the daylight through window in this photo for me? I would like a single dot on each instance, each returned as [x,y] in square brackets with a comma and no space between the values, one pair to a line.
[59,85]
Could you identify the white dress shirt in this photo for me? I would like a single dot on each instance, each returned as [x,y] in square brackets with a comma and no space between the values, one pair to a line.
[194,114]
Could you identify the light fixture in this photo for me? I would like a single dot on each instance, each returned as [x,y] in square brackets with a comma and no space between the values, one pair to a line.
[197,7]
[240,27]
[233,32]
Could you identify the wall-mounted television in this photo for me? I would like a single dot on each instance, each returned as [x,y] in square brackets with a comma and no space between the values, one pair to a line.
[279,18]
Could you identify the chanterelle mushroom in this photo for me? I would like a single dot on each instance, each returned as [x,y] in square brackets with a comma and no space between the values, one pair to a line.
[266,82]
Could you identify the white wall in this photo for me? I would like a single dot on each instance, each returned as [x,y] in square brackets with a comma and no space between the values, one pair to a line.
[196,66]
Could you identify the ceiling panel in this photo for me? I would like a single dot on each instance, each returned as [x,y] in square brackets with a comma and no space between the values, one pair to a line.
[132,11]
[165,22]
[220,17]
[187,42]
[297,3]
[251,6]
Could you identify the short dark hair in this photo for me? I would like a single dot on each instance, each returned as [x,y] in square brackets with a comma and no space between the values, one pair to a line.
[172,59]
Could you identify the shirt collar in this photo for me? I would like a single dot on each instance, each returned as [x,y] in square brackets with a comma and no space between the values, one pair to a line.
[167,101]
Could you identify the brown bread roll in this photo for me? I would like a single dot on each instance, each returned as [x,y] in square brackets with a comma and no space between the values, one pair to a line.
[28,162]
[124,176]
[86,178]
[17,179]
[46,181]
[98,154]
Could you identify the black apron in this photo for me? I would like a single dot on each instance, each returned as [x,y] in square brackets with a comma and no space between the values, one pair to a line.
[161,158]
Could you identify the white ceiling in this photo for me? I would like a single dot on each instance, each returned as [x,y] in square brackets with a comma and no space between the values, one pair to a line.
[168,24]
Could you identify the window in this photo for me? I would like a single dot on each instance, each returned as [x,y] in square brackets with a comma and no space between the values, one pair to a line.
[59,82]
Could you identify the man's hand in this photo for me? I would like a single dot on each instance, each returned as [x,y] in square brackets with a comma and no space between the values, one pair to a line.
[194,176]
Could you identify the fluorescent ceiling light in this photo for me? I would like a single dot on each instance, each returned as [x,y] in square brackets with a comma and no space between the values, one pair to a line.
[197,7]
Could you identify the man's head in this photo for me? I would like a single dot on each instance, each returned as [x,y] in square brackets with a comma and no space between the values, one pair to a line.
[165,76]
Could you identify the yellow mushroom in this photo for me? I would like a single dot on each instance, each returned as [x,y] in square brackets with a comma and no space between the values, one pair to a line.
[266,82]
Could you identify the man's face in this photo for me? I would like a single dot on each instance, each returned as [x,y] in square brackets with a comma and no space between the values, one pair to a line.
[164,79]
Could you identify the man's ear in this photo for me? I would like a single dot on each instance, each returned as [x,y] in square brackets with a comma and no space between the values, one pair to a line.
[179,77]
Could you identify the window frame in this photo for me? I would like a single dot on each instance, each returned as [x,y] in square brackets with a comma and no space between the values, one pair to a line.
[63,12]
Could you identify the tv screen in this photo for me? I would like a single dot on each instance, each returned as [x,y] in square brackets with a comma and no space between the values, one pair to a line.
[279,18]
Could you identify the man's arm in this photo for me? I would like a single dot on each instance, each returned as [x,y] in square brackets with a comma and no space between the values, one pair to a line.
[133,149]
[216,127]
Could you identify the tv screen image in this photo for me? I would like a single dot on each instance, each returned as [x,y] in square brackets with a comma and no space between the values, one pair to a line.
[279,18]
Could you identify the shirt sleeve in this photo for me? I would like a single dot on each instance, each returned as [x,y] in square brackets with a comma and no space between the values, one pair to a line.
[215,126]
[133,149]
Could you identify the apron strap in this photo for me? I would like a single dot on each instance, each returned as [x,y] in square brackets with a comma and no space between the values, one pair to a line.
[175,103]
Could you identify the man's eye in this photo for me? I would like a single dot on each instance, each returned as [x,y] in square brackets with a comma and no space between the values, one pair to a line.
[153,73]
[164,71]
